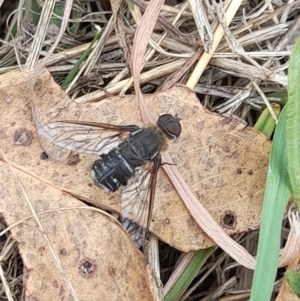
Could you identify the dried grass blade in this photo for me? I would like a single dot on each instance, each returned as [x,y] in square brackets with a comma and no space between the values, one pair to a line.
[140,43]
[165,24]
[204,59]
[5,285]
[202,24]
[175,77]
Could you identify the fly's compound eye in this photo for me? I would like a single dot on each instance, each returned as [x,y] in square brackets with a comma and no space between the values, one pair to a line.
[170,125]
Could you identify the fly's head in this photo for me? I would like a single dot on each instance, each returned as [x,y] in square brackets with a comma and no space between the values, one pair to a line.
[170,125]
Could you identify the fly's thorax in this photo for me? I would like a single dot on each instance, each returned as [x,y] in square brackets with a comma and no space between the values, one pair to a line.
[143,145]
[164,140]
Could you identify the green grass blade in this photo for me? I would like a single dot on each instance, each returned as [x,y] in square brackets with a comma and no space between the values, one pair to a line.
[281,95]
[283,178]
[293,279]
[76,14]
[35,12]
[76,67]
[197,261]
[265,122]
[58,11]
[293,123]
[276,197]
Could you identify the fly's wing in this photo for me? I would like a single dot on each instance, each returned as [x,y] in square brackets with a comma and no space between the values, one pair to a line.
[137,202]
[83,137]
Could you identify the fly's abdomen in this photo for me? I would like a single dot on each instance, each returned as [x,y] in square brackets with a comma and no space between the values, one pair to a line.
[111,171]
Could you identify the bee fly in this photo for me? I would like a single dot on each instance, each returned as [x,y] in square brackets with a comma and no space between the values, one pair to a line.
[129,156]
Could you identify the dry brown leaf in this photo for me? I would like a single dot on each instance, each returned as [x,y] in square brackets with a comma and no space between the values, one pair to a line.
[96,255]
[223,162]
